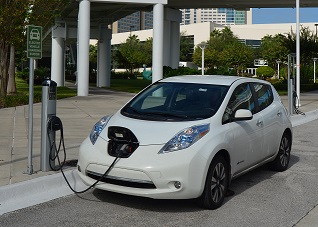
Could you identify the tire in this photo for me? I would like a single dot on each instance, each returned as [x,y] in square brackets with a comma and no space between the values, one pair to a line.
[281,161]
[216,184]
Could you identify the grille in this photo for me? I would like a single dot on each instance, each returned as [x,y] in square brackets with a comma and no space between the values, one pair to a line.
[122,181]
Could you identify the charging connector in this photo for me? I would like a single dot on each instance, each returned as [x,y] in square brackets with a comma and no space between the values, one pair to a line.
[54,125]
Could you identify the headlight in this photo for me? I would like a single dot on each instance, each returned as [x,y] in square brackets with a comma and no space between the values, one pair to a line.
[185,138]
[98,128]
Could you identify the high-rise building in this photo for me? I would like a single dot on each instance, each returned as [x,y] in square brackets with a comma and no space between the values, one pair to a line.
[140,20]
[224,16]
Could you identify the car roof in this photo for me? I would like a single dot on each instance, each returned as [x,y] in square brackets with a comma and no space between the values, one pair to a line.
[209,79]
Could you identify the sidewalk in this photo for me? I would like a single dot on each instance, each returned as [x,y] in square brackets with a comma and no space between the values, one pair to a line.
[78,115]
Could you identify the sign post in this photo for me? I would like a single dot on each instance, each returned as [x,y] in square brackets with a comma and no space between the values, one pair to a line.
[34,51]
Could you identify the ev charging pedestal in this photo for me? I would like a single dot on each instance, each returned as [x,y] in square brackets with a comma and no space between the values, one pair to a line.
[49,88]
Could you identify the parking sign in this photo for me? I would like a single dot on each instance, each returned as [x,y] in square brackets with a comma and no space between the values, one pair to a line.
[34,42]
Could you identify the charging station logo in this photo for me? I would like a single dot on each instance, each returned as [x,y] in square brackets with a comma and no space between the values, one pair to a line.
[34,42]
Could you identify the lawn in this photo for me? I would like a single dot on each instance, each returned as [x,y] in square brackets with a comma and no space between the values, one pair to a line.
[22,95]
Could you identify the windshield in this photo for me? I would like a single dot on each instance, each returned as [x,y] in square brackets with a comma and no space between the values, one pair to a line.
[176,102]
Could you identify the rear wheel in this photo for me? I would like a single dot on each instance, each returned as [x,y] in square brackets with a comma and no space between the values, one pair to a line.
[216,184]
[282,159]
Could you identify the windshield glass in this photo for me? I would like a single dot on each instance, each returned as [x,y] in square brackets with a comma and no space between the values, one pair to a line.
[176,102]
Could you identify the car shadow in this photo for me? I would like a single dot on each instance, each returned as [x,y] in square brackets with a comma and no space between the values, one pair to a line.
[254,177]
[238,186]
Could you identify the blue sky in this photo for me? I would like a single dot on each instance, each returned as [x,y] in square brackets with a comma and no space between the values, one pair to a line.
[284,15]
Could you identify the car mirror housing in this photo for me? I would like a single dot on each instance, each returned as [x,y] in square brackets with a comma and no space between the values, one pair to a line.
[243,115]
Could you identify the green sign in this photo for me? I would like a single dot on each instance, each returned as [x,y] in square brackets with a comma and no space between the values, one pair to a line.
[34,42]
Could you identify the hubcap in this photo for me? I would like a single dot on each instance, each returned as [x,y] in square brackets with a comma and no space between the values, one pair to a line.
[284,151]
[218,182]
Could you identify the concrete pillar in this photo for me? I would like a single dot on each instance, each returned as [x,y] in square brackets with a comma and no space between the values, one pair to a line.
[57,61]
[157,47]
[83,48]
[103,57]
[167,43]
[175,45]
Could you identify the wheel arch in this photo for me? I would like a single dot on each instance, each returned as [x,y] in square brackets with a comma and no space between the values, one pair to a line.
[288,131]
[226,155]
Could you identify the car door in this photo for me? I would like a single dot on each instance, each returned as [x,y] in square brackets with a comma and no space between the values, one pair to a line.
[245,137]
[271,112]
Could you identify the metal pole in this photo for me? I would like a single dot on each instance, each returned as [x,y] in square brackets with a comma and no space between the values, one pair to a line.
[30,135]
[290,88]
[297,55]
[202,70]
[315,70]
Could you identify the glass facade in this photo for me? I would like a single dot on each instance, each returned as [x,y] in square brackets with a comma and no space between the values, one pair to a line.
[224,16]
[135,22]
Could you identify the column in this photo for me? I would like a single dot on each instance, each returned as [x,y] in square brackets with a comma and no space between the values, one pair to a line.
[157,47]
[83,48]
[104,57]
[57,62]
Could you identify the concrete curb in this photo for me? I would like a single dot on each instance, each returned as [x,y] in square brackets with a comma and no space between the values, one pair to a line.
[302,119]
[39,190]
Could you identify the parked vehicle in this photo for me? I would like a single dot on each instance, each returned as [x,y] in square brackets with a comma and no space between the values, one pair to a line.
[188,137]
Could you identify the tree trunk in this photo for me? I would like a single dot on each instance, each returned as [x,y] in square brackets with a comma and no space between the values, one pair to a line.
[11,83]
[3,71]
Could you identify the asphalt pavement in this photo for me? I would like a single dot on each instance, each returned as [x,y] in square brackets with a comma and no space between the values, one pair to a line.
[19,189]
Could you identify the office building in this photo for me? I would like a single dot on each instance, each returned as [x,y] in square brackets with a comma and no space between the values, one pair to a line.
[223,16]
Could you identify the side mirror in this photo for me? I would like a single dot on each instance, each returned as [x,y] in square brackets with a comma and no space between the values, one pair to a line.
[243,115]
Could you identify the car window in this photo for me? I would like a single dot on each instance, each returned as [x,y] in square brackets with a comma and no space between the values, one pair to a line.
[264,95]
[241,98]
[176,102]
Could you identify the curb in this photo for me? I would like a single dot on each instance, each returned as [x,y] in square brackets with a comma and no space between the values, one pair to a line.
[39,190]
[302,119]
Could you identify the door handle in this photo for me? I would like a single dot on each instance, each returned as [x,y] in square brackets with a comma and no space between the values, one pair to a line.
[259,123]
[279,113]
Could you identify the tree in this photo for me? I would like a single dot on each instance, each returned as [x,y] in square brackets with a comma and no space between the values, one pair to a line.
[237,55]
[12,20]
[224,49]
[265,72]
[186,47]
[14,16]
[274,48]
[133,54]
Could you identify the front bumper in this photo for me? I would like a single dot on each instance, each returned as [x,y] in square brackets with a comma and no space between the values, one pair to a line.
[176,175]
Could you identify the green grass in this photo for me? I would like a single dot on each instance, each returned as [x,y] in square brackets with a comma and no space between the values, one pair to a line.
[22,95]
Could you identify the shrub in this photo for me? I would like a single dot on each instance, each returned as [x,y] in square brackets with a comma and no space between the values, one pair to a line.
[265,72]
[168,71]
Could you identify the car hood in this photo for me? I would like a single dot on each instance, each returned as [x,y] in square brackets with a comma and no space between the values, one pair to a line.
[149,132]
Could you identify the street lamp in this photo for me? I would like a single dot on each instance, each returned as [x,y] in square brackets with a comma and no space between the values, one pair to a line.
[315,59]
[278,62]
[202,46]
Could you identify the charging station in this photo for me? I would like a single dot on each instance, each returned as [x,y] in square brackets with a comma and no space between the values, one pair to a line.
[49,90]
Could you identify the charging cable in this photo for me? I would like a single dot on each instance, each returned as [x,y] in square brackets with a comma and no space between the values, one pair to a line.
[297,111]
[55,124]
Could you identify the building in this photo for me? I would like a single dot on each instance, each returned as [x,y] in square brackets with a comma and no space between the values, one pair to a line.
[142,20]
[223,16]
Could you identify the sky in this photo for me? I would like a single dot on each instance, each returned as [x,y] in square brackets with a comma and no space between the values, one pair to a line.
[284,15]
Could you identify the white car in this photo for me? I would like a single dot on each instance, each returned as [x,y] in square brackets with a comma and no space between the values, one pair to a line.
[188,137]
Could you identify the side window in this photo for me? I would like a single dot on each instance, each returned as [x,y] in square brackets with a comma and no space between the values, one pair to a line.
[241,98]
[264,95]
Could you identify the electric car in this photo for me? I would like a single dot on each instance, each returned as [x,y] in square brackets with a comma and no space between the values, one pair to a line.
[188,137]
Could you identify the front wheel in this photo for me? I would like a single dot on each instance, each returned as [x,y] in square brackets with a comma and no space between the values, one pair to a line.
[216,184]
[282,159]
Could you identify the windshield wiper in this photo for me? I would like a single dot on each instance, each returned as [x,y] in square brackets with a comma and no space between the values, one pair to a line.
[165,114]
